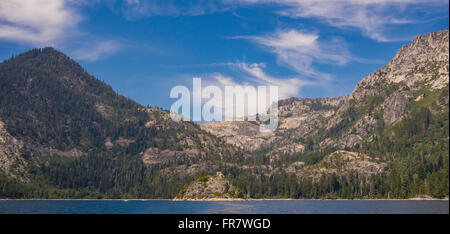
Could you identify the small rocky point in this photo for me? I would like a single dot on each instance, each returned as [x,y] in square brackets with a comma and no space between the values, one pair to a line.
[205,187]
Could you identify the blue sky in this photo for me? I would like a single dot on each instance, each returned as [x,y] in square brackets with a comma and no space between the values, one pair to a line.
[144,48]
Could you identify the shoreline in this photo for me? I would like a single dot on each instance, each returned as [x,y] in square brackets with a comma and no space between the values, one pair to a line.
[231,199]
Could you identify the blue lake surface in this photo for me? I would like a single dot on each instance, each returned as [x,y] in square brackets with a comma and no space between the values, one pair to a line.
[221,207]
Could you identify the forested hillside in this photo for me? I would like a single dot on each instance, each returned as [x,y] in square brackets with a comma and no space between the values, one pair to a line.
[388,138]
[66,134]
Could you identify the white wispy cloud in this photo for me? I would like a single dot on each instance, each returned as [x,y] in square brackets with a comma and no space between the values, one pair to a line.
[287,86]
[253,75]
[37,22]
[95,51]
[132,2]
[372,17]
[299,50]
[41,23]
[138,9]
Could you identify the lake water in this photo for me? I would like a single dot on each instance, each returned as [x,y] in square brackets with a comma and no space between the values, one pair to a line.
[220,207]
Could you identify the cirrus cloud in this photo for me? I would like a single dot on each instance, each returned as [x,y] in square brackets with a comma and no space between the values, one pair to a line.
[373,18]
[96,51]
[300,50]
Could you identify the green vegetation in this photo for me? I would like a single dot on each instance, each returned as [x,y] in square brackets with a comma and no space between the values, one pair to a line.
[418,149]
[49,102]
[203,177]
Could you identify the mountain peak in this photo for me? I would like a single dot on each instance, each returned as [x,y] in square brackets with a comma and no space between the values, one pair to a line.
[423,61]
[48,63]
[434,43]
[47,58]
[68,135]
[42,52]
[382,96]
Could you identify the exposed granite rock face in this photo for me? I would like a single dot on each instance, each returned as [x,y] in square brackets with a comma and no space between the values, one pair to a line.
[209,187]
[189,146]
[394,107]
[425,60]
[69,153]
[156,117]
[243,134]
[347,141]
[298,118]
[191,170]
[11,161]
[421,64]
[347,120]
[287,149]
[340,163]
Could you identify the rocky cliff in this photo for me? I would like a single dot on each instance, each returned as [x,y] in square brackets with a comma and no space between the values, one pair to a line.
[11,161]
[379,100]
[340,163]
[66,134]
[209,187]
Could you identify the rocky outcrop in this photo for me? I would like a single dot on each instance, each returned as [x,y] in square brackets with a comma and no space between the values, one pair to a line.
[340,163]
[298,118]
[394,107]
[287,149]
[11,161]
[424,61]
[209,187]
[384,94]
[122,142]
[243,134]
[423,64]
[196,146]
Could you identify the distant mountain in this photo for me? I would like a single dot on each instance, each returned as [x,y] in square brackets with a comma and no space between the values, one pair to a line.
[396,114]
[54,115]
[422,65]
[66,134]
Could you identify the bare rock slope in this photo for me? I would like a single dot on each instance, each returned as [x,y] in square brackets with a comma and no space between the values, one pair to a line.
[209,187]
[378,100]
